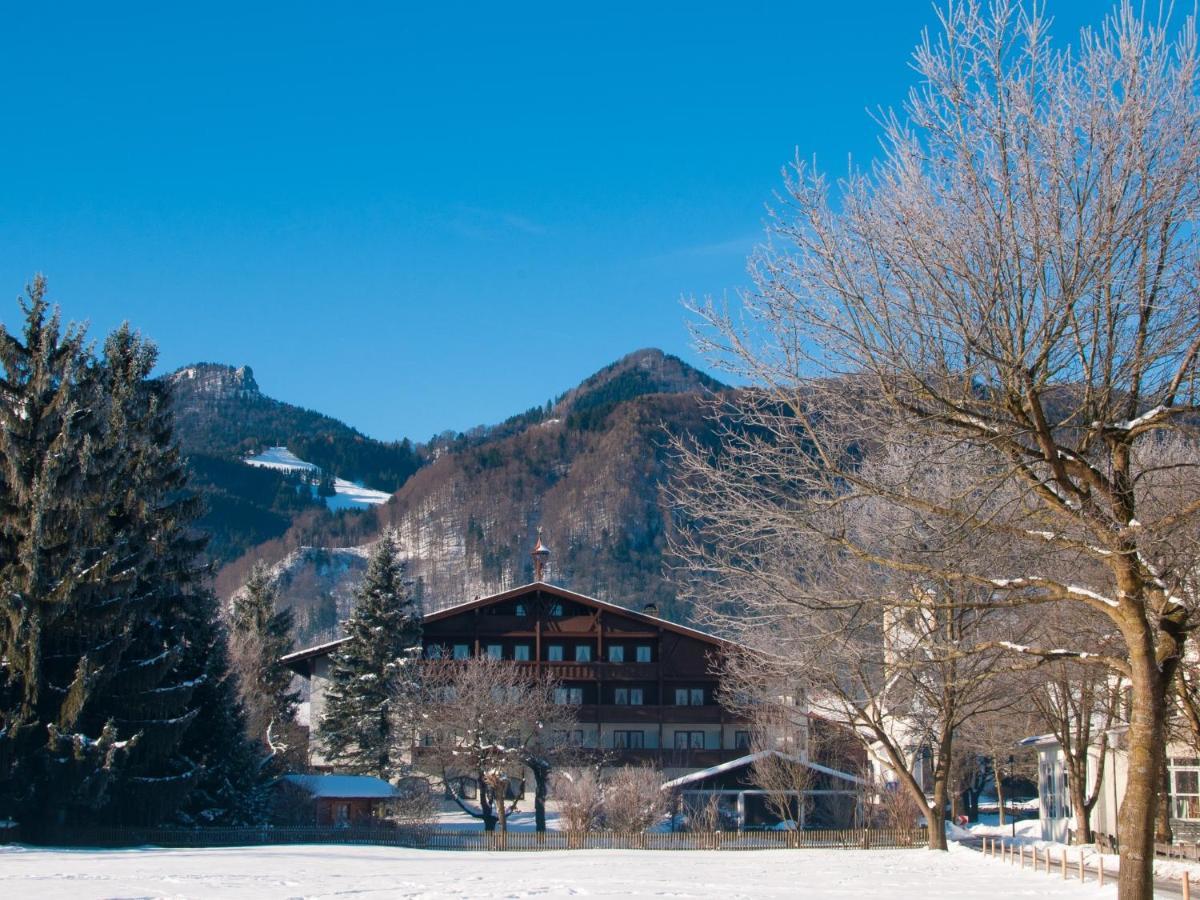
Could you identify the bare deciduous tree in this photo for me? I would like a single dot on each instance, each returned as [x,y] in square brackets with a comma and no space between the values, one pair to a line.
[1017,276]
[878,650]
[578,793]
[487,720]
[1079,706]
[633,799]
[785,781]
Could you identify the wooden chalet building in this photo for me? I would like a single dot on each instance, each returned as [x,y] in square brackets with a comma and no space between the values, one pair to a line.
[645,688]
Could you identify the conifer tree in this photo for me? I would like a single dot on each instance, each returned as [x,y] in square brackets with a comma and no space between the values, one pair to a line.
[260,637]
[102,596]
[50,419]
[371,704]
[232,783]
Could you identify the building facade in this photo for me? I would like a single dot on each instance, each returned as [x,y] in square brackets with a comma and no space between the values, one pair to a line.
[645,690]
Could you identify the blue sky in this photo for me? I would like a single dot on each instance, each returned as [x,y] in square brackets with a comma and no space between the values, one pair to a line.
[421,217]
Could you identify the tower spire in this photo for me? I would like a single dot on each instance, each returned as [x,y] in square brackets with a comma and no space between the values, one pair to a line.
[541,555]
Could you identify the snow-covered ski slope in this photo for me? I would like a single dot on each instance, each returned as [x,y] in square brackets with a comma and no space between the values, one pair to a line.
[347,494]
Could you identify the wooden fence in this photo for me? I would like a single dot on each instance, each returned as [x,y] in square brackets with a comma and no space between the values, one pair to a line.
[434,839]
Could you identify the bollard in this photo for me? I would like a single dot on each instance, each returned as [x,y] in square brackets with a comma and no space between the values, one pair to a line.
[1063,861]
[1081,869]
[1100,872]
[1187,887]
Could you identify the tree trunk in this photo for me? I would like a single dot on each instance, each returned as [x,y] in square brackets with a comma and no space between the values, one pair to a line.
[541,775]
[1162,821]
[936,815]
[1135,824]
[486,809]
[1083,815]
[502,808]
[998,777]
[941,778]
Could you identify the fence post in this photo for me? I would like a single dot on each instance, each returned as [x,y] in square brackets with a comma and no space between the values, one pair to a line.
[1063,861]
[1187,886]
[1081,870]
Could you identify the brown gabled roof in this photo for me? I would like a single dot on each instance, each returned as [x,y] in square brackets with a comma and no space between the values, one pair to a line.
[296,661]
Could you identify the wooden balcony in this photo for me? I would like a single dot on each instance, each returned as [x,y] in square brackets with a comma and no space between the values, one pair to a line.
[669,715]
[669,758]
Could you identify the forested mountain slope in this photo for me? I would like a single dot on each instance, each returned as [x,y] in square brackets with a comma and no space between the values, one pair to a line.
[588,468]
[222,417]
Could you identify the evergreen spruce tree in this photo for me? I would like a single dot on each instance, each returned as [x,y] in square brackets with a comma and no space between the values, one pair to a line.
[371,704]
[51,422]
[261,634]
[232,784]
[103,600]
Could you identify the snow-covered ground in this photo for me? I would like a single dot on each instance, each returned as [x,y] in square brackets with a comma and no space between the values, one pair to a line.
[347,494]
[370,872]
[450,817]
[1029,834]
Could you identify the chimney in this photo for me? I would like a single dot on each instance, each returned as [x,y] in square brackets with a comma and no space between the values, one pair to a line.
[651,609]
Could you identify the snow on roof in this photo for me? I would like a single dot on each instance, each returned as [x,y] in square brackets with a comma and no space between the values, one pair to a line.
[752,758]
[342,786]
[1037,740]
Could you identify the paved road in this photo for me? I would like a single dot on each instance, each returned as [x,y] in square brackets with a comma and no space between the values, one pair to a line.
[1163,887]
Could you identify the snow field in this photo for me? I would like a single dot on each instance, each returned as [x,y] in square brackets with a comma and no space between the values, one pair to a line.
[1029,835]
[347,494]
[376,872]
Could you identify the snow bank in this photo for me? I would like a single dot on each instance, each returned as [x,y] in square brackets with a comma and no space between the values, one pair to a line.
[327,871]
[1029,835]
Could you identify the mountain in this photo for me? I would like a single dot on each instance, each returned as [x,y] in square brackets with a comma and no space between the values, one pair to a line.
[222,419]
[587,468]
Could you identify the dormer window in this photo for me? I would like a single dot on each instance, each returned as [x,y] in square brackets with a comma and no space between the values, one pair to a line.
[556,610]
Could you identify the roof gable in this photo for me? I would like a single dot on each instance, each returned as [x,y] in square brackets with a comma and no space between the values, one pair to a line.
[297,659]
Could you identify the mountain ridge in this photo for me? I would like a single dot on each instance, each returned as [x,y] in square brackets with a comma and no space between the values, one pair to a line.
[587,467]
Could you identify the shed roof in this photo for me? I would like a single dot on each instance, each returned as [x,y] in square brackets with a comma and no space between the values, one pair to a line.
[750,759]
[347,787]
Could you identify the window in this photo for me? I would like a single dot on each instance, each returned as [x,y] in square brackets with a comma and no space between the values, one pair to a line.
[433,651]
[689,740]
[583,653]
[630,740]
[621,696]
[741,740]
[521,652]
[519,610]
[635,696]
[341,813]
[556,610]
[697,695]
[681,697]
[568,696]
[495,651]
[1185,789]
[616,653]
[643,653]
[462,651]
[554,653]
